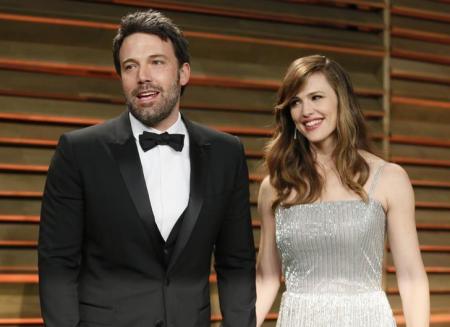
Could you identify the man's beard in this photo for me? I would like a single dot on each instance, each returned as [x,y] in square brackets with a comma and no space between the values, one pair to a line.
[156,112]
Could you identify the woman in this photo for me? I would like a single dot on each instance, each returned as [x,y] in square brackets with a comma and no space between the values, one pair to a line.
[324,208]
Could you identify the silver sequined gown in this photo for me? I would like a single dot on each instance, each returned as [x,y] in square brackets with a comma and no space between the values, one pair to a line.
[332,255]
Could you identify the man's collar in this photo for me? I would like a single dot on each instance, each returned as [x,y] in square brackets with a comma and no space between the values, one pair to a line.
[138,127]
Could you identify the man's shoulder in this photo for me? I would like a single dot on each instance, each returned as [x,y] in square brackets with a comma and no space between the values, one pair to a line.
[105,130]
[213,136]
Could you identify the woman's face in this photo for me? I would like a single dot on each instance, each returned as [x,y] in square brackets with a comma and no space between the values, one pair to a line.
[314,111]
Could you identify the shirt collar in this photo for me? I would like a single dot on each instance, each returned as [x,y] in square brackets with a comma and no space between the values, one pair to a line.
[138,127]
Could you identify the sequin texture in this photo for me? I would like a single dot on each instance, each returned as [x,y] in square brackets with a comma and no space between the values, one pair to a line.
[332,255]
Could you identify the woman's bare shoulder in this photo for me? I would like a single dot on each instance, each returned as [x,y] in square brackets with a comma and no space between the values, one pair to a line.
[267,191]
[372,160]
[390,170]
[395,173]
[266,198]
[393,177]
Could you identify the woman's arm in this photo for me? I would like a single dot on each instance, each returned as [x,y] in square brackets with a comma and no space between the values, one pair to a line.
[411,277]
[268,266]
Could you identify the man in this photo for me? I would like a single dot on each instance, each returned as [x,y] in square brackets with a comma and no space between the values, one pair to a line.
[133,208]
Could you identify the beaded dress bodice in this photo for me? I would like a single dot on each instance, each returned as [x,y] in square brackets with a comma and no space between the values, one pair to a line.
[332,246]
[332,255]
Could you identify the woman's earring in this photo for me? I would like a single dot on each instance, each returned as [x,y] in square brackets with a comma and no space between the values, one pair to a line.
[295,133]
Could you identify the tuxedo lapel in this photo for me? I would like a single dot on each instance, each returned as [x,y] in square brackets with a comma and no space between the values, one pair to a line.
[124,150]
[199,150]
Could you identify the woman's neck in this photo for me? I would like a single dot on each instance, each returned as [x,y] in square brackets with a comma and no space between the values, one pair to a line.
[323,155]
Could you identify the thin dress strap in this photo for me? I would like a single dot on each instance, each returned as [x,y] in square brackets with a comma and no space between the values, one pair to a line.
[375,177]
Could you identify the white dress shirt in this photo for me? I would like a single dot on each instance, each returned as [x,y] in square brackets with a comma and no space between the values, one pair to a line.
[167,175]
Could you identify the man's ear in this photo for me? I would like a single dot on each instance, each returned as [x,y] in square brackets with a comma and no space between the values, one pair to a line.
[185,73]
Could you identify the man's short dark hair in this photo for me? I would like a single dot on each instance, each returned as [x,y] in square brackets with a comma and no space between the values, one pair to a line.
[150,22]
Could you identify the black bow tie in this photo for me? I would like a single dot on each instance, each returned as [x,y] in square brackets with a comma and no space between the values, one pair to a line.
[149,140]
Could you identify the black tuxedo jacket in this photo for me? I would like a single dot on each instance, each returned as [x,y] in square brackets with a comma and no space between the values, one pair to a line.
[99,263]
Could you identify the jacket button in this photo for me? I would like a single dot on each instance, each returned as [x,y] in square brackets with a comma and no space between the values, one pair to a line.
[159,323]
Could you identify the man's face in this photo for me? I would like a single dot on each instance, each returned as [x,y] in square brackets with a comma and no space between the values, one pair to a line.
[152,79]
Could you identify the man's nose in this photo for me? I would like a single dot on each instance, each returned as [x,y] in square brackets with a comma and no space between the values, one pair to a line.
[144,74]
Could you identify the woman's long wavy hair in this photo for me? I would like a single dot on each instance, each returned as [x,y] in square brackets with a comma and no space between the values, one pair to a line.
[290,161]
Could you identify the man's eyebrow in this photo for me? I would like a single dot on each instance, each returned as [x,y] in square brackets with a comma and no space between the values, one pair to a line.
[127,60]
[158,55]
[154,56]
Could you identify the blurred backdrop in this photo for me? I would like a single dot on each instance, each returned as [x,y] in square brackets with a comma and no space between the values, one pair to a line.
[56,74]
